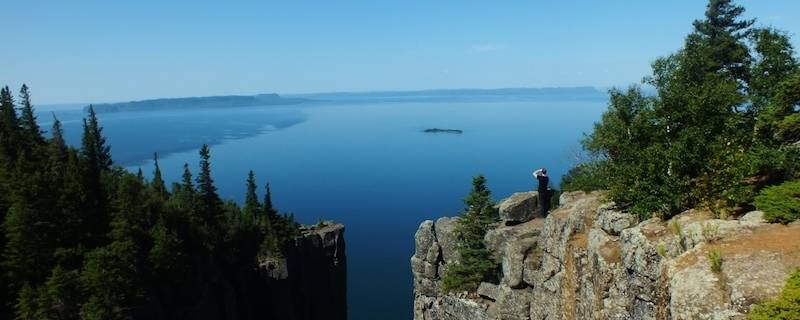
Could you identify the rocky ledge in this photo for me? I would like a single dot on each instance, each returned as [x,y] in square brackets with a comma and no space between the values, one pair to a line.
[588,260]
[309,281]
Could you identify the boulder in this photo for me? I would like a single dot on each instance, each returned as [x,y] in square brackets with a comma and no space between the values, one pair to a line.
[519,207]
[513,261]
[488,291]
[613,221]
[424,238]
[445,230]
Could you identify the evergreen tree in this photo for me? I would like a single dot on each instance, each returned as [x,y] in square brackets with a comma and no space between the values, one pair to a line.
[27,120]
[476,263]
[157,184]
[96,159]
[57,146]
[210,205]
[269,210]
[9,127]
[82,240]
[251,205]
[95,150]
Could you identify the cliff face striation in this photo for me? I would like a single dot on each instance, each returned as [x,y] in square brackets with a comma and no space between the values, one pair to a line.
[587,260]
[308,282]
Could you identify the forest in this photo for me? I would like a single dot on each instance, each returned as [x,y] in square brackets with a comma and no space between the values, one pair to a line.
[85,239]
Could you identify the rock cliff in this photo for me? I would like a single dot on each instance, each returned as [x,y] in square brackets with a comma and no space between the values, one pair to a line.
[307,282]
[588,260]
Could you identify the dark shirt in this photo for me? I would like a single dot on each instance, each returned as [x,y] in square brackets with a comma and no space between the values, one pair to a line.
[543,182]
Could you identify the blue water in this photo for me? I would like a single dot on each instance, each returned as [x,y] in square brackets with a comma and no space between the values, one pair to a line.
[367,165]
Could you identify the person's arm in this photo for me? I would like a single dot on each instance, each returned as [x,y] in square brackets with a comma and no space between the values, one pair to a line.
[537,173]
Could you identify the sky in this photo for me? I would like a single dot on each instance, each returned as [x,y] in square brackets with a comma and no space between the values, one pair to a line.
[106,51]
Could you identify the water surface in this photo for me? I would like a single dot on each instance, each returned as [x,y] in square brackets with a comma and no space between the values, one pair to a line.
[367,165]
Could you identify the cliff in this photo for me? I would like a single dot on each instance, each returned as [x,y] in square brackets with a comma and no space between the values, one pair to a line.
[308,282]
[588,260]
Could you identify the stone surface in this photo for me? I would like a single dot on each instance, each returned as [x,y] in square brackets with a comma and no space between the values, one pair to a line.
[488,291]
[519,207]
[614,221]
[589,260]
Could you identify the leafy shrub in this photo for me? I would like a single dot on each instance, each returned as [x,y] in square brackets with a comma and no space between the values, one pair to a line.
[780,203]
[785,307]
[789,128]
[587,176]
[715,257]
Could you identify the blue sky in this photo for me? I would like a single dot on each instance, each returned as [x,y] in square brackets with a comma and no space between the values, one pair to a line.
[97,51]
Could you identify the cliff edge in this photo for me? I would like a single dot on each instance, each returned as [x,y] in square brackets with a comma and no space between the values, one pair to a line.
[588,260]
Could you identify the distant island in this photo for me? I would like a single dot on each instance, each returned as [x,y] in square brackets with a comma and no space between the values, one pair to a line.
[438,130]
[269,99]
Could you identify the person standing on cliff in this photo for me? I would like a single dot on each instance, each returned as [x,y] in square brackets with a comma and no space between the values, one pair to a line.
[544,199]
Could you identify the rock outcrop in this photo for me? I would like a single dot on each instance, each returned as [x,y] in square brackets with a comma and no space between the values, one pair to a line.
[307,282]
[588,260]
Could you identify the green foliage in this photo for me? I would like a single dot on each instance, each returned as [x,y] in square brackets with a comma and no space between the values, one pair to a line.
[555,199]
[587,176]
[718,129]
[476,260]
[82,239]
[780,203]
[661,250]
[715,258]
[785,307]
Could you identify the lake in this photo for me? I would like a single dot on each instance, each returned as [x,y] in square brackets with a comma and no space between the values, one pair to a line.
[367,165]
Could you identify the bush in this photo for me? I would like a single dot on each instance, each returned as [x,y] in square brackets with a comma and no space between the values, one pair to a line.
[786,306]
[780,203]
[587,176]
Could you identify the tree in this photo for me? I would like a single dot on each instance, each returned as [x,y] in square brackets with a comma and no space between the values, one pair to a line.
[695,142]
[157,184]
[9,127]
[82,240]
[96,161]
[476,263]
[210,205]
[32,133]
[251,205]
[95,150]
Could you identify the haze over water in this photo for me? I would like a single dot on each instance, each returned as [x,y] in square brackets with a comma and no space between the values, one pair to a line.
[366,165]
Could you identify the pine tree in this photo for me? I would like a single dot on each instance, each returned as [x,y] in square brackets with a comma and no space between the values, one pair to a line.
[157,184]
[95,150]
[210,205]
[269,210]
[96,161]
[32,133]
[9,127]
[476,263]
[57,146]
[251,205]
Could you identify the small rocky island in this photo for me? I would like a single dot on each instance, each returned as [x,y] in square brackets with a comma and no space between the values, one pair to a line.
[439,130]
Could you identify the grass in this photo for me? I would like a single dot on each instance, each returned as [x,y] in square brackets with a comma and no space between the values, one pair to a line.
[715,257]
[710,231]
[662,250]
